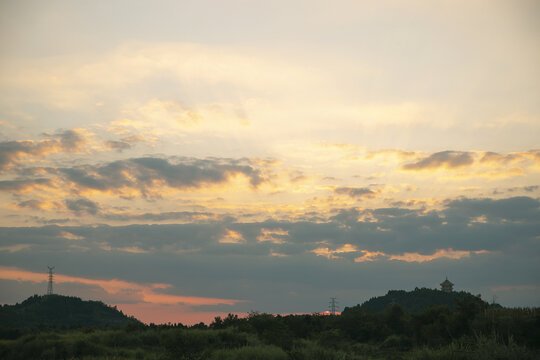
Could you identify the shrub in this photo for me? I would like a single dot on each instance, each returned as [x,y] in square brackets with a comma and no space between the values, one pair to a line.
[262,352]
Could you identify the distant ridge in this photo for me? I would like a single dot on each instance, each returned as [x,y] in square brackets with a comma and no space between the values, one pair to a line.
[415,301]
[58,311]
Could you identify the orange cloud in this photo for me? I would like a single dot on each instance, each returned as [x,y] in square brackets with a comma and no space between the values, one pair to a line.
[232,237]
[37,205]
[276,254]
[369,256]
[407,257]
[331,254]
[275,236]
[70,236]
[443,253]
[12,152]
[144,292]
[26,186]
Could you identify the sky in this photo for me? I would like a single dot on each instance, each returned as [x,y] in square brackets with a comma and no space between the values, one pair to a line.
[188,159]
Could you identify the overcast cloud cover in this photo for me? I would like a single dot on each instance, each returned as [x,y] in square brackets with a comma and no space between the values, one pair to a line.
[191,159]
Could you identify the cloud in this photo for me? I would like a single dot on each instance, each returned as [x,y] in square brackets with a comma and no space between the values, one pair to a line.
[526,189]
[117,145]
[13,152]
[70,236]
[524,159]
[143,175]
[391,153]
[39,204]
[163,118]
[464,224]
[443,159]
[159,216]
[355,192]
[519,209]
[32,204]
[15,248]
[70,140]
[336,253]
[232,237]
[127,142]
[82,206]
[85,207]
[417,257]
[24,185]
[442,253]
[148,293]
[477,164]
[369,256]
[276,236]
[492,157]
[398,248]
[77,80]
[516,287]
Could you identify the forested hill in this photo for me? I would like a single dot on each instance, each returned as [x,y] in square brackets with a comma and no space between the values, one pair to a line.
[415,301]
[57,311]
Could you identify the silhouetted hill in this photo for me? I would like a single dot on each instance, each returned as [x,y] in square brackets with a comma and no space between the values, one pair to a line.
[415,301]
[57,311]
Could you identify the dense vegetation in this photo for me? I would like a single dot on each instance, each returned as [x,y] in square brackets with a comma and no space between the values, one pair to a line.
[57,311]
[416,301]
[471,329]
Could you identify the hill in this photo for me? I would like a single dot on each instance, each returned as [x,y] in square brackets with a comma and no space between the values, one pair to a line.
[58,311]
[415,301]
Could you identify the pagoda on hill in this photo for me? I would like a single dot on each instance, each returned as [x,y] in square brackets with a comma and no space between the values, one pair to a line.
[447,286]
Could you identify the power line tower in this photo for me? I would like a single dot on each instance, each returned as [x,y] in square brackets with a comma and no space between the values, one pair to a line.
[333,305]
[50,285]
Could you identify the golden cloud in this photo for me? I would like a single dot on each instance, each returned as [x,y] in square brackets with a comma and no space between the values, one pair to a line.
[232,237]
[13,152]
[276,236]
[334,254]
[443,253]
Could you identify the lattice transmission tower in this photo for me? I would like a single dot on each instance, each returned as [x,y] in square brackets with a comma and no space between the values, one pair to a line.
[333,306]
[50,285]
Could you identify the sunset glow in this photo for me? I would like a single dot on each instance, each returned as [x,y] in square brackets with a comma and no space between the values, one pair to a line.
[200,158]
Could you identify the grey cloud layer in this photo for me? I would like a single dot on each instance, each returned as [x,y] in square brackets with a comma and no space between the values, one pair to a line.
[191,257]
[141,173]
[465,224]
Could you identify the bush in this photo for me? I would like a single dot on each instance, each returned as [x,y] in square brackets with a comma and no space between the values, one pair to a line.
[398,342]
[262,352]
[480,348]
[309,350]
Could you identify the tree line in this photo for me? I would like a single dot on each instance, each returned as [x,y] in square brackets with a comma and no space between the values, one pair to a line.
[470,329]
